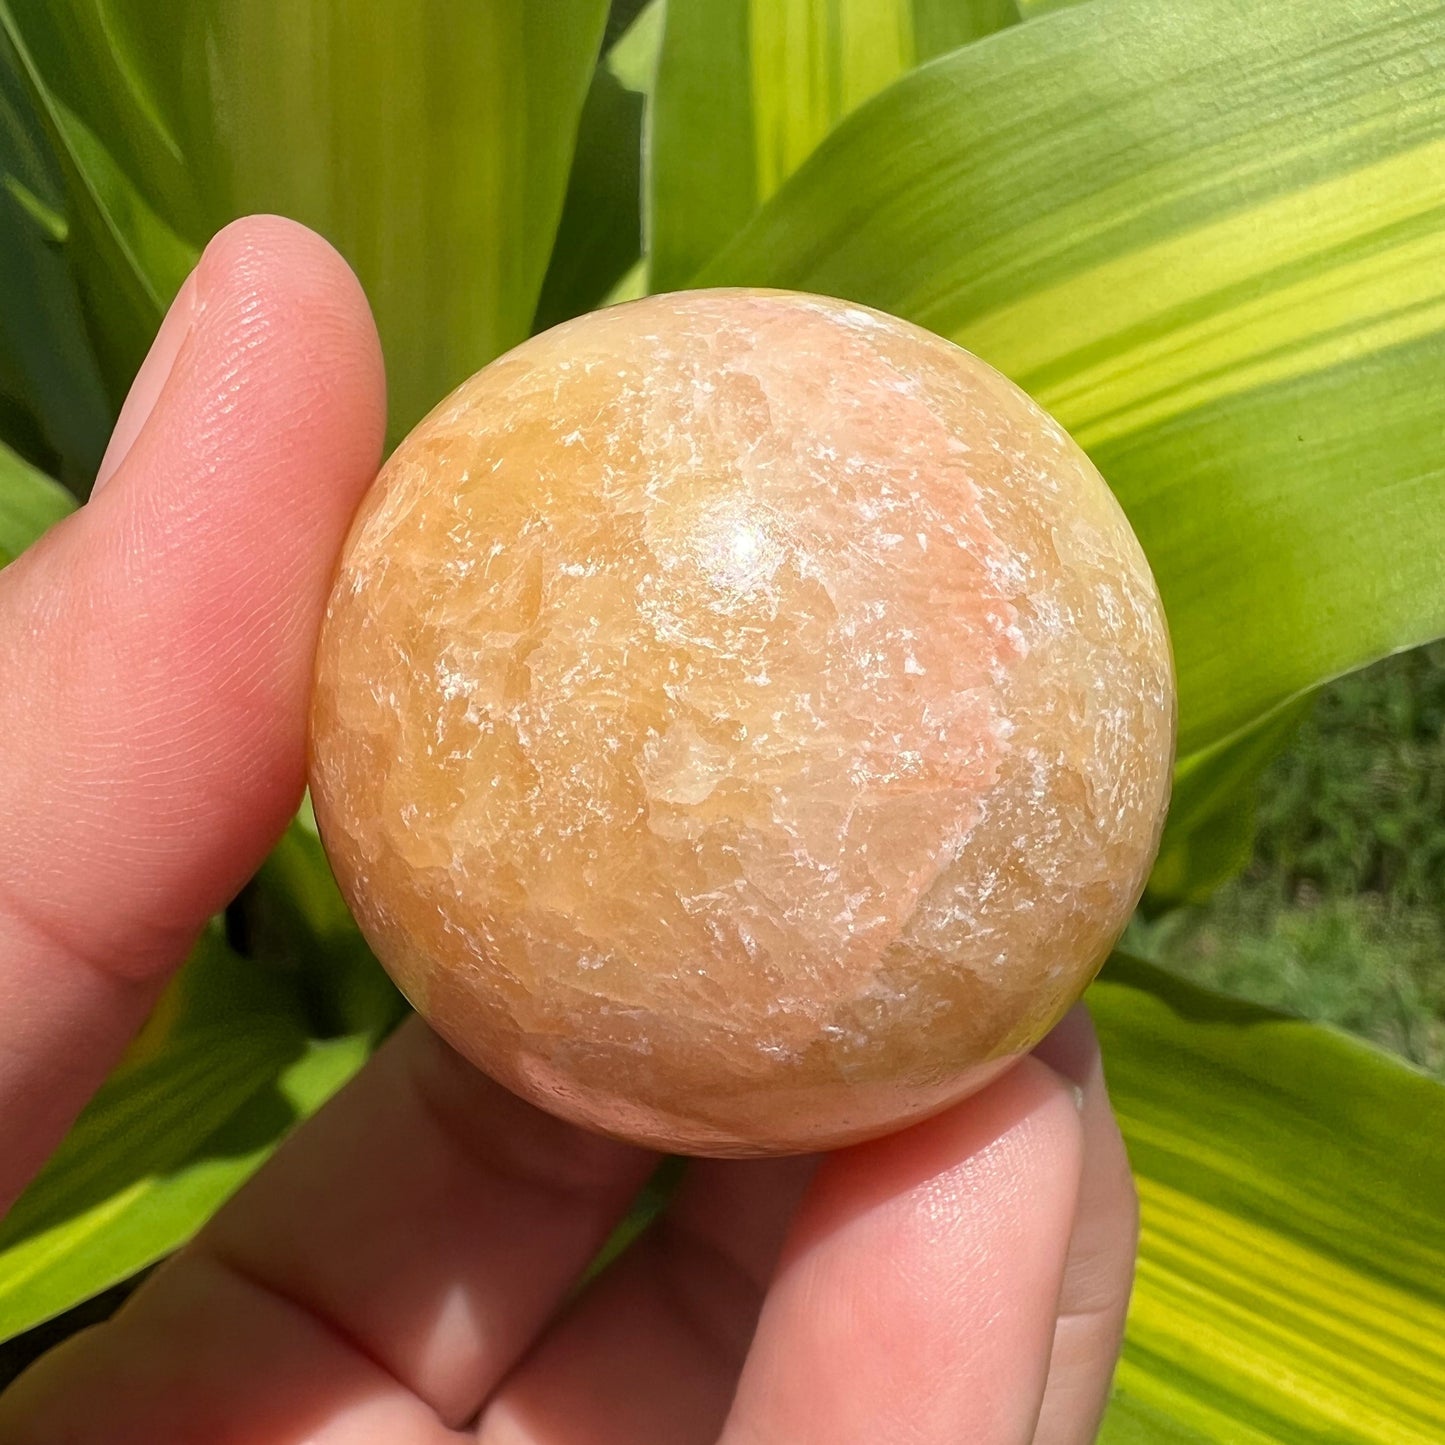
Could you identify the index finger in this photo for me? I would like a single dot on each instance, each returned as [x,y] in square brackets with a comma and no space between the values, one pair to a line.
[155,660]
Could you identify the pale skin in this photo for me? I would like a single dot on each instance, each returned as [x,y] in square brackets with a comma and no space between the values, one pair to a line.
[403,1270]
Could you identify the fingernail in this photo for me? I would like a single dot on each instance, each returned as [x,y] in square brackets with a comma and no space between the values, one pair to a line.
[150,381]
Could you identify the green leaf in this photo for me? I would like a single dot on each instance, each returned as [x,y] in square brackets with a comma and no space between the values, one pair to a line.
[746,91]
[1192,863]
[29,504]
[431,145]
[52,1267]
[620,16]
[1210,831]
[212,1085]
[238,1052]
[600,234]
[128,261]
[47,365]
[1291,1280]
[139,1170]
[292,916]
[1210,237]
[437,147]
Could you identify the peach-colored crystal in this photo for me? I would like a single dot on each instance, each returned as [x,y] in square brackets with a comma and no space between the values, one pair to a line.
[743,721]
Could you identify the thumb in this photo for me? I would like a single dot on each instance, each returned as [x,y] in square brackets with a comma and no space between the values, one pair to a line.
[155,651]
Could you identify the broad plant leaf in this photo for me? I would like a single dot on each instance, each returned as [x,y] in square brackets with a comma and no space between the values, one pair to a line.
[292,916]
[237,1053]
[1196,860]
[431,145]
[58,410]
[746,90]
[83,78]
[599,237]
[1210,237]
[1209,834]
[30,503]
[222,1070]
[1291,1280]
[620,16]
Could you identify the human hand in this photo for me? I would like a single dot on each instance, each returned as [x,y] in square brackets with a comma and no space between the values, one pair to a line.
[403,1270]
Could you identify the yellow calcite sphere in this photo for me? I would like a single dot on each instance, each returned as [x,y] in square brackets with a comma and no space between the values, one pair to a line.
[743,721]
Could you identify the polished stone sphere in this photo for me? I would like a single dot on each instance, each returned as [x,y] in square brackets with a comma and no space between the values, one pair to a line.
[743,721]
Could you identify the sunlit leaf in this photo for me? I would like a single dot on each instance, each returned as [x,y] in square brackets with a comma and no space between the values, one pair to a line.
[56,1267]
[431,144]
[1210,237]
[29,503]
[747,90]
[238,1051]
[123,1188]
[620,15]
[1291,1281]
[437,146]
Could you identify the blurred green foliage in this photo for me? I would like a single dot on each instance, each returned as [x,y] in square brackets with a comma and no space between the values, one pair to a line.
[1357,804]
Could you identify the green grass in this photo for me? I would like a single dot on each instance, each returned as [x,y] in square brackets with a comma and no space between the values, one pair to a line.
[1340,915]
